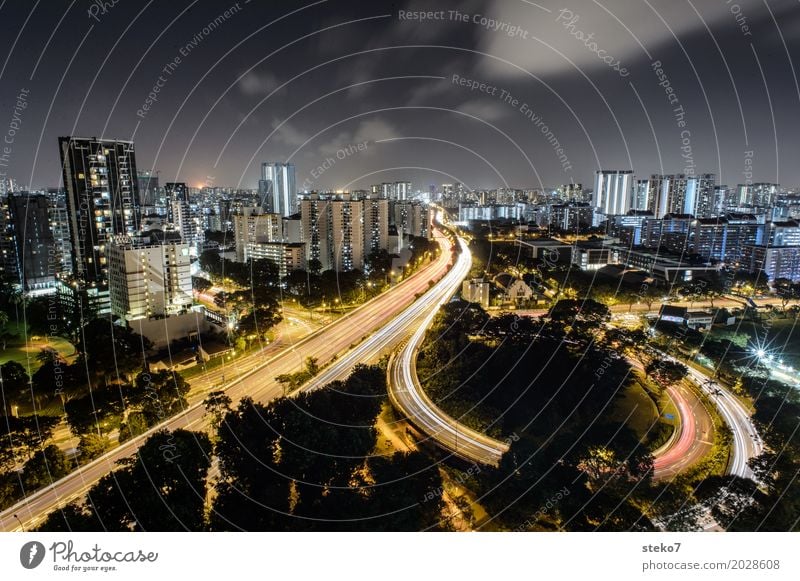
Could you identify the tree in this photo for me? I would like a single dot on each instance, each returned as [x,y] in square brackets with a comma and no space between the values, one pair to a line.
[201,284]
[111,350]
[666,372]
[14,382]
[211,262]
[787,291]
[217,405]
[91,446]
[162,488]
[47,465]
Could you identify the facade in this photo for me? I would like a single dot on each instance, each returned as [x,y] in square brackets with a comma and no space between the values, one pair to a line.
[277,188]
[149,280]
[612,191]
[148,188]
[413,219]
[59,226]
[102,200]
[571,217]
[476,290]
[36,250]
[376,224]
[346,233]
[315,228]
[775,261]
[252,226]
[287,256]
[468,212]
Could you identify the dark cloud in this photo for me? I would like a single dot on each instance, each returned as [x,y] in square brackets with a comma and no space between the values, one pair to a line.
[266,70]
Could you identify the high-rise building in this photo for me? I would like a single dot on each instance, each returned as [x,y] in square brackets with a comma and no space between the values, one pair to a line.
[570,193]
[612,191]
[149,280]
[102,197]
[148,187]
[706,201]
[253,226]
[347,234]
[277,188]
[413,219]
[286,255]
[9,266]
[402,191]
[188,221]
[36,249]
[376,224]
[176,191]
[59,226]
[315,227]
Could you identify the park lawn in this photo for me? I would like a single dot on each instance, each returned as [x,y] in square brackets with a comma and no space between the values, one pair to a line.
[637,404]
[778,335]
[25,354]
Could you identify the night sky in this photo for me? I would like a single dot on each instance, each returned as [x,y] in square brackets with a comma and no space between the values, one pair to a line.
[309,81]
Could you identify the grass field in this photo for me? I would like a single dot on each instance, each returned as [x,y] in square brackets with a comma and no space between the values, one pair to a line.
[777,335]
[639,406]
[25,353]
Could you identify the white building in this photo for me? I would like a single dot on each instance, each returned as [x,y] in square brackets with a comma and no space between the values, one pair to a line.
[149,281]
[251,226]
[612,191]
[277,188]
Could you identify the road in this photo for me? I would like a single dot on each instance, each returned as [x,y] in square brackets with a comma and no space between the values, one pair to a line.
[410,399]
[691,442]
[747,443]
[259,383]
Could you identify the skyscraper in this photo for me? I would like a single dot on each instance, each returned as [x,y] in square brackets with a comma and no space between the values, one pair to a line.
[102,198]
[277,188]
[612,191]
[36,249]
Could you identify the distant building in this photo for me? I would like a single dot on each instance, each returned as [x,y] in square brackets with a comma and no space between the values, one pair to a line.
[612,192]
[253,226]
[476,290]
[277,188]
[376,224]
[287,256]
[571,217]
[412,219]
[775,261]
[35,247]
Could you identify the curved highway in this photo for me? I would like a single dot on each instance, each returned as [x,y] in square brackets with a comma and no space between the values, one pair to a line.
[746,442]
[410,399]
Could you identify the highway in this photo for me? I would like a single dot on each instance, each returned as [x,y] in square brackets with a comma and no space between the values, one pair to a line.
[410,399]
[691,442]
[350,332]
[746,442]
